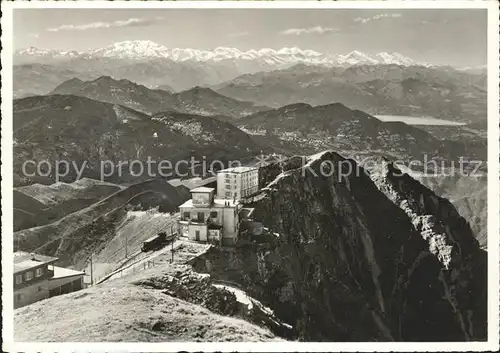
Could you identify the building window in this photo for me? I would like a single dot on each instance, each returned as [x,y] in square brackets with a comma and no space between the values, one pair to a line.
[19,279]
[186,215]
[39,272]
[28,275]
[228,186]
[228,194]
[213,214]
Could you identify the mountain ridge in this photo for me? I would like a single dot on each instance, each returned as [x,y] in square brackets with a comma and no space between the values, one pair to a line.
[82,130]
[197,100]
[377,89]
[302,127]
[146,49]
[375,243]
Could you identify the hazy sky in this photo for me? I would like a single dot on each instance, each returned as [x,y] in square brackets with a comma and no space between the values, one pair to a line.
[454,37]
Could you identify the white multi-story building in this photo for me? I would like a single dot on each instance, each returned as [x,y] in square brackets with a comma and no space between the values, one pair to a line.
[216,218]
[204,218]
[236,183]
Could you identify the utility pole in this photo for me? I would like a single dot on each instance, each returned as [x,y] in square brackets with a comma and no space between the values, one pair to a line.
[91,271]
[126,245]
[173,239]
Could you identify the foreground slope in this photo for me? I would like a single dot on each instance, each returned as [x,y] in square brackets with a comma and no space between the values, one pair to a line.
[124,311]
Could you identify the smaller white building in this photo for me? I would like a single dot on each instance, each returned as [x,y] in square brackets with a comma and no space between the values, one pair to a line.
[204,218]
[237,183]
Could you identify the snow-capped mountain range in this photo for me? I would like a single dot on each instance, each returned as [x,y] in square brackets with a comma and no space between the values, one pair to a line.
[146,50]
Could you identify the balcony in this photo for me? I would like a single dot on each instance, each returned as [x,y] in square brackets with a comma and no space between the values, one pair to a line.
[197,220]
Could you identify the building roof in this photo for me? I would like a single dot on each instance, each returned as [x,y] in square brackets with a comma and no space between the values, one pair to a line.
[202,189]
[238,170]
[25,260]
[61,272]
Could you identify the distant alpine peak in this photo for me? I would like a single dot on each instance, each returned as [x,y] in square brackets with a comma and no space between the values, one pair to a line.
[359,58]
[147,49]
[395,58]
[356,57]
[131,49]
[47,52]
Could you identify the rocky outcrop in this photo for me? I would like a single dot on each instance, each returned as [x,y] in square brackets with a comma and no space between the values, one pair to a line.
[360,255]
[195,289]
[199,289]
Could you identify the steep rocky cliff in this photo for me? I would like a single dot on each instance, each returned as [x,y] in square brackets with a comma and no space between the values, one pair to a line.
[359,255]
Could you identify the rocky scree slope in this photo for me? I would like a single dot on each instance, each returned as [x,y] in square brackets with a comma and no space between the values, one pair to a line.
[360,256]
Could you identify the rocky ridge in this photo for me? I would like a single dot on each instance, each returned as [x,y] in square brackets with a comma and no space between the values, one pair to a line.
[386,258]
[146,49]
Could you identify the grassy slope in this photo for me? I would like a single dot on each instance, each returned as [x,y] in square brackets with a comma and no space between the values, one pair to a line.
[134,228]
[58,193]
[121,311]
[74,237]
[38,205]
[25,209]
